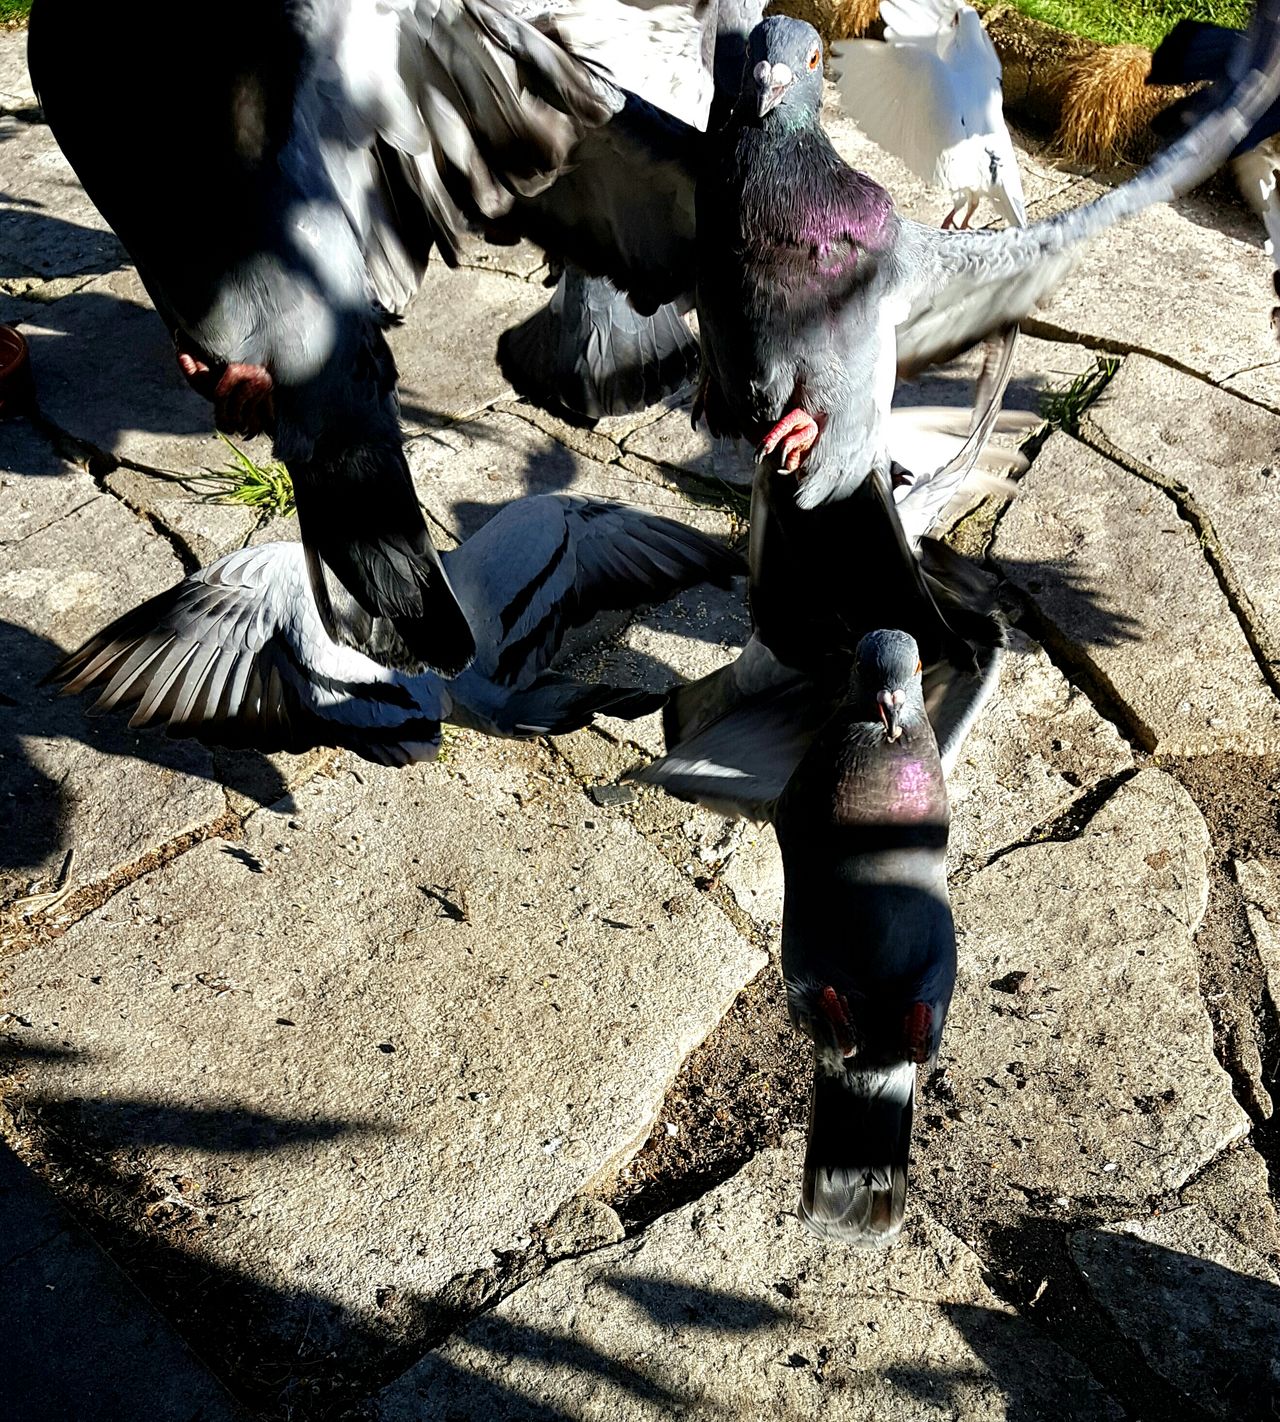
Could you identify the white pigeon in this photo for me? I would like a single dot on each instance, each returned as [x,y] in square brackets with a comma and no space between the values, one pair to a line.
[930,94]
[237,655]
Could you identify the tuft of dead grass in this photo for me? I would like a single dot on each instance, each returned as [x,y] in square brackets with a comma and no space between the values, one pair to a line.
[833,19]
[1107,106]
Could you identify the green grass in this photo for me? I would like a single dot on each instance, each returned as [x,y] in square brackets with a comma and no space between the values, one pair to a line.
[266,488]
[11,11]
[1062,406]
[1143,22]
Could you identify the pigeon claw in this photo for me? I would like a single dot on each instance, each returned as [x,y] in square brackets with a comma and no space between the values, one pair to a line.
[241,393]
[796,433]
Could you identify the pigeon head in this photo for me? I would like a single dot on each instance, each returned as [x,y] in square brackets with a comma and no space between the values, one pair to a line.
[887,680]
[783,73]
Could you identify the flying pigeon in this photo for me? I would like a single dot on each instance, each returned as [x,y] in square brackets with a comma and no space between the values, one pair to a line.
[868,943]
[1192,52]
[930,94]
[819,583]
[810,289]
[237,655]
[280,172]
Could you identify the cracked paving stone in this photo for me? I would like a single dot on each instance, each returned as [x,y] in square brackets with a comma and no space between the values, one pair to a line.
[1095,1075]
[15,80]
[1224,451]
[728,1307]
[1202,1308]
[1235,1190]
[1038,746]
[67,781]
[1122,583]
[465,473]
[48,226]
[389,1031]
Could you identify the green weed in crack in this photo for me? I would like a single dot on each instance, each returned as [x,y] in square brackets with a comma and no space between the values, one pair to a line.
[1063,405]
[265,488]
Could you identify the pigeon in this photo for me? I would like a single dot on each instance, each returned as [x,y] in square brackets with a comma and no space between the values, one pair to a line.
[930,94]
[1193,52]
[735,737]
[588,352]
[280,171]
[810,289]
[868,943]
[237,654]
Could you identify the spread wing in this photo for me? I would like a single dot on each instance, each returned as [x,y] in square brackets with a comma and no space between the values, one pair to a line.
[236,655]
[427,113]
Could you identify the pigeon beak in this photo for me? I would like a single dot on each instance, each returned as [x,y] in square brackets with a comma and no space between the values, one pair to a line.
[890,704]
[772,81]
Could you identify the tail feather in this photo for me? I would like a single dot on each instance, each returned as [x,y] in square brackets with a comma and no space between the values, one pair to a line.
[378,582]
[588,351]
[554,706]
[856,1162]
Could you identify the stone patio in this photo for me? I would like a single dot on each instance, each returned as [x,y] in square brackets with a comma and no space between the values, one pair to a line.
[352,1071]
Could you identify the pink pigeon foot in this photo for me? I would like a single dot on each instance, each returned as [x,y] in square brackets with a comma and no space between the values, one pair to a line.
[796,432]
[241,393]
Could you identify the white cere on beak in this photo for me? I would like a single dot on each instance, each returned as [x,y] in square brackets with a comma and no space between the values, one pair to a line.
[782,75]
[762,72]
[776,76]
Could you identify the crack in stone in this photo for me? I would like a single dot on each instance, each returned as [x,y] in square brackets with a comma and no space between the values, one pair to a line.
[51,523]
[1265,649]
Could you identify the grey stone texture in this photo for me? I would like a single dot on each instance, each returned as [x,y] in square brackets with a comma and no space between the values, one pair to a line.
[729,1308]
[1119,577]
[403,1020]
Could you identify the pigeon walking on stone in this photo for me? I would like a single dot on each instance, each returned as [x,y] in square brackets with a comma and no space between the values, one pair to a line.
[280,173]
[1193,52]
[868,944]
[930,94]
[236,654]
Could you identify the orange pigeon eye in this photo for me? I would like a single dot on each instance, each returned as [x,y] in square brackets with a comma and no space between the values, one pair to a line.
[814,57]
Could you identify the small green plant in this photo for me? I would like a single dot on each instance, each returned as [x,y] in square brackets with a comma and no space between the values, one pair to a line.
[267,488]
[1063,405]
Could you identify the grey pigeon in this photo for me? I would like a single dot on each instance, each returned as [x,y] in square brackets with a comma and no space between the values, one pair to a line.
[588,351]
[811,290]
[280,171]
[237,655]
[868,944]
[735,737]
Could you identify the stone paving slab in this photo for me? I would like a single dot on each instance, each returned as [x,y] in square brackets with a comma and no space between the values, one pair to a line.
[1118,575]
[1223,451]
[389,1031]
[1037,748]
[728,1307]
[1203,1309]
[1078,1049]
[1259,881]
[48,226]
[67,782]
[79,1341]
[15,82]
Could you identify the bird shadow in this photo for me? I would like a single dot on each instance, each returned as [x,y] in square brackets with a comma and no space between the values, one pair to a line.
[35,242]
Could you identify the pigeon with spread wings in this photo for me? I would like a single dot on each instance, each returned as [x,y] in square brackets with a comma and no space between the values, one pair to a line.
[280,171]
[237,655]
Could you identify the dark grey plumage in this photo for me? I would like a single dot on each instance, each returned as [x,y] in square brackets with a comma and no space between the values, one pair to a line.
[236,654]
[280,171]
[868,944]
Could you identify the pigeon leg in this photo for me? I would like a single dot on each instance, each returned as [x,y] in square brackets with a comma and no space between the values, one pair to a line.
[241,393]
[949,221]
[796,432]
[968,214]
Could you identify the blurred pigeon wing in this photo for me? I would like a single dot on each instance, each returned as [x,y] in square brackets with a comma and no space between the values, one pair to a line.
[902,97]
[427,113]
[545,564]
[962,286]
[236,655]
[918,19]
